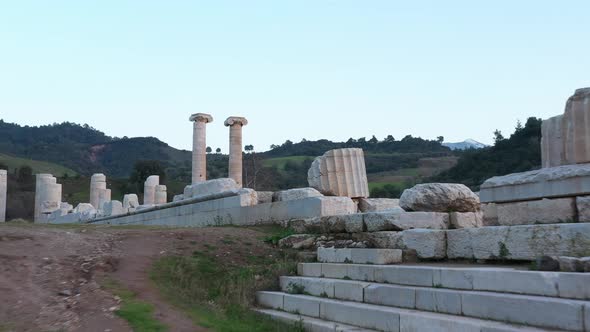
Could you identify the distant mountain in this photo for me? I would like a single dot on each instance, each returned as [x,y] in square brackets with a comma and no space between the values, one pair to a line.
[466,144]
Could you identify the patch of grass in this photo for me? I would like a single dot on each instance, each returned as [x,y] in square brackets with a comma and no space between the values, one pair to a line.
[282,161]
[38,166]
[219,296]
[138,314]
[278,235]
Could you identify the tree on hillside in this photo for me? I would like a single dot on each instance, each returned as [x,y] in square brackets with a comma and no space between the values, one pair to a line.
[218,150]
[208,150]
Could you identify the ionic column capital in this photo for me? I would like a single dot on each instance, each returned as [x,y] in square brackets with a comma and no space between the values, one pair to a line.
[201,117]
[235,120]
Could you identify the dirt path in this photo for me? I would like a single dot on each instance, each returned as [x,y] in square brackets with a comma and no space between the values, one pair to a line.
[49,277]
[137,253]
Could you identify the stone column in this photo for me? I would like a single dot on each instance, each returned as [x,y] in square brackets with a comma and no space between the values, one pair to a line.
[3,186]
[576,128]
[104,195]
[149,190]
[161,196]
[98,182]
[47,196]
[200,121]
[41,181]
[235,125]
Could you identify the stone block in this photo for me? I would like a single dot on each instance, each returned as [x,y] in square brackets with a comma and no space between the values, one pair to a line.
[130,202]
[574,285]
[264,197]
[340,172]
[391,295]
[406,275]
[360,256]
[270,299]
[526,310]
[350,290]
[438,300]
[360,314]
[561,181]
[303,305]
[428,244]
[295,194]
[545,211]
[570,264]
[424,321]
[304,285]
[525,242]
[583,208]
[439,197]
[377,204]
[460,220]
[490,214]
[309,269]
[113,208]
[211,187]
[400,220]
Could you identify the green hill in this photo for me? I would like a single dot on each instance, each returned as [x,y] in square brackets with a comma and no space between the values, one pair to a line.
[13,163]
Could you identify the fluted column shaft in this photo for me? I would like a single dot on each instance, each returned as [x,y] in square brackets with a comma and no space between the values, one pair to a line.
[235,153]
[199,169]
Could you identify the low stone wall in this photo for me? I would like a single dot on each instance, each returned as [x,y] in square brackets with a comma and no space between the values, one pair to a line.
[233,210]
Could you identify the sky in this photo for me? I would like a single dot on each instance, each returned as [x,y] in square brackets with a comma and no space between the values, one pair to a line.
[295,69]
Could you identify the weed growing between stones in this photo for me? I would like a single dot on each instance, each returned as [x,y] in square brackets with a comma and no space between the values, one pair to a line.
[219,296]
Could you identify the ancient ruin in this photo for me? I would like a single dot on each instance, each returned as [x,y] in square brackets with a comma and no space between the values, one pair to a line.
[3,188]
[200,121]
[340,173]
[361,278]
[235,125]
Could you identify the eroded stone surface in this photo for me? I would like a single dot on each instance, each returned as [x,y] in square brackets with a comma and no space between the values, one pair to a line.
[130,202]
[545,211]
[149,189]
[583,208]
[340,172]
[377,204]
[562,181]
[526,242]
[576,130]
[294,194]
[199,169]
[210,187]
[552,142]
[113,208]
[264,196]
[439,197]
[466,219]
[161,195]
[235,124]
[98,182]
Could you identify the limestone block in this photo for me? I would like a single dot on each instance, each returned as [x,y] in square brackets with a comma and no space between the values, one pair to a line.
[213,187]
[104,195]
[574,285]
[398,220]
[340,172]
[347,223]
[561,181]
[552,142]
[178,198]
[264,196]
[113,208]
[391,295]
[161,195]
[130,202]
[270,299]
[585,261]
[490,214]
[304,285]
[408,275]
[302,305]
[85,211]
[583,208]
[3,189]
[438,300]
[466,219]
[576,131]
[539,311]
[296,240]
[360,314]
[295,194]
[350,290]
[545,211]
[149,189]
[309,269]
[570,264]
[188,192]
[377,204]
[98,182]
[360,256]
[428,244]
[439,197]
[525,242]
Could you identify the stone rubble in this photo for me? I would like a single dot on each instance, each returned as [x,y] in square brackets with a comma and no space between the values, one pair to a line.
[439,197]
[340,172]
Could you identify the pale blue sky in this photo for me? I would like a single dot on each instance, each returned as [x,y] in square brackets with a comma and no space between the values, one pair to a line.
[313,69]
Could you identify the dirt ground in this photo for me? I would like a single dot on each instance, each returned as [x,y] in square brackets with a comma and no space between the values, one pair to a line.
[50,277]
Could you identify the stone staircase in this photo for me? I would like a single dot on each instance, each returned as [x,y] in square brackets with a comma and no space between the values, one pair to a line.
[356,296]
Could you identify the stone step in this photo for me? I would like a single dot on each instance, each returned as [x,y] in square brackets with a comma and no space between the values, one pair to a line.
[544,312]
[360,256]
[310,324]
[378,317]
[492,279]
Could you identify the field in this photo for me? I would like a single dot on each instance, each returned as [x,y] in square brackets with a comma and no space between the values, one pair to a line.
[37,166]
